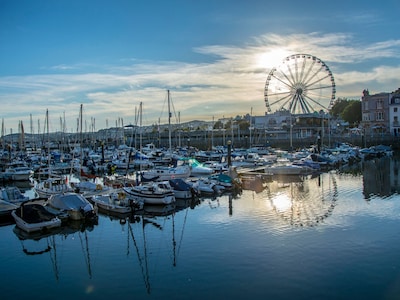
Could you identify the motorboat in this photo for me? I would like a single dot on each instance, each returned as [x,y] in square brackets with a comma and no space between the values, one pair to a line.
[155,193]
[74,204]
[6,208]
[287,169]
[13,194]
[182,189]
[116,203]
[162,173]
[17,172]
[90,188]
[223,182]
[196,167]
[33,217]
[53,186]
[205,186]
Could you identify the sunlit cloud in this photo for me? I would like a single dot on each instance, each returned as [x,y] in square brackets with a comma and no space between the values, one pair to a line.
[230,84]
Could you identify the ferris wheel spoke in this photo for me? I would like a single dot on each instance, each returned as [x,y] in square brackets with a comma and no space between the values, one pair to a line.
[282,73]
[285,99]
[320,88]
[275,95]
[289,85]
[310,68]
[315,102]
[304,105]
[303,66]
[314,75]
[291,75]
[318,80]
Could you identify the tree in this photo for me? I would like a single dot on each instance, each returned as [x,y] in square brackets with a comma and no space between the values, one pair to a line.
[339,106]
[352,112]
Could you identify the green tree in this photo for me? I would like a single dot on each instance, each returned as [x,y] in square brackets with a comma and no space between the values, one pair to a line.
[352,112]
[339,106]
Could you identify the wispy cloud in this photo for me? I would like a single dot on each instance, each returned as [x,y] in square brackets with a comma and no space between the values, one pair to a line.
[229,85]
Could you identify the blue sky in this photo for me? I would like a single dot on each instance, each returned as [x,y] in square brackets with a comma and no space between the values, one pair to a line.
[213,56]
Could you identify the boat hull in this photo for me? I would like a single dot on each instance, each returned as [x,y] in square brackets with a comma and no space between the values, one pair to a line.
[33,218]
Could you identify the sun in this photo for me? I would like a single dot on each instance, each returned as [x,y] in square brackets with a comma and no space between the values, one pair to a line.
[271,58]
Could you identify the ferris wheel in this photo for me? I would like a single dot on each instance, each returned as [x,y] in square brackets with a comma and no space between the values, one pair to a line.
[302,83]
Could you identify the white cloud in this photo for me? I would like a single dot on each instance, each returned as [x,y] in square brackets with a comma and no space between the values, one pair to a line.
[228,86]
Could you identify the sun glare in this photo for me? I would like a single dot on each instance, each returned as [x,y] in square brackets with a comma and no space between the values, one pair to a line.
[271,58]
[282,202]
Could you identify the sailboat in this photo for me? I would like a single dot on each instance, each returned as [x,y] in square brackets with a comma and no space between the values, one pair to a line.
[54,184]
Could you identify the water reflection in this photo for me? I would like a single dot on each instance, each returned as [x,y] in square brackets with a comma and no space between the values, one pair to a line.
[48,241]
[303,201]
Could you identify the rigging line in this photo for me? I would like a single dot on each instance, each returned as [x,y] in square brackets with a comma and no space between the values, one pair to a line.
[147,275]
[54,259]
[130,230]
[173,240]
[183,227]
[87,257]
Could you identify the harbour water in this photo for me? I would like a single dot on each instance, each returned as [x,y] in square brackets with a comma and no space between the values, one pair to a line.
[330,236]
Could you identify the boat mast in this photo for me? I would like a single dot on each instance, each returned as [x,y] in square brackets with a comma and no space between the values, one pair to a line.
[169,122]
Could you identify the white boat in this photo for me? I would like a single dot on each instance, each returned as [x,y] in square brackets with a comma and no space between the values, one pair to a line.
[287,169]
[6,208]
[162,173]
[17,172]
[155,193]
[52,186]
[90,188]
[75,205]
[13,195]
[197,168]
[205,186]
[115,202]
[32,217]
[222,181]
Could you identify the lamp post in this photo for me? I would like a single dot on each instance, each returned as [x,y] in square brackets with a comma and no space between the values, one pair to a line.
[229,153]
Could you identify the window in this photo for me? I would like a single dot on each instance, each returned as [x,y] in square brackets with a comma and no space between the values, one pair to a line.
[379,104]
[394,109]
[379,116]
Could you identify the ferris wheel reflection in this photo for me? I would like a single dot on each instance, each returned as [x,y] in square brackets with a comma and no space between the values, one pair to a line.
[303,202]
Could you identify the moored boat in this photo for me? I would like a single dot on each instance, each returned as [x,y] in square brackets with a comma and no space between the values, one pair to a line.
[115,203]
[182,189]
[32,217]
[154,193]
[162,173]
[52,186]
[77,206]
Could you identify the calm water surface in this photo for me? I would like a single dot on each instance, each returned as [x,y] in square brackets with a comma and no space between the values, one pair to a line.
[332,236]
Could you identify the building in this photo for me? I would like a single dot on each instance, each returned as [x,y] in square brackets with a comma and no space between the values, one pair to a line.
[394,114]
[375,113]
